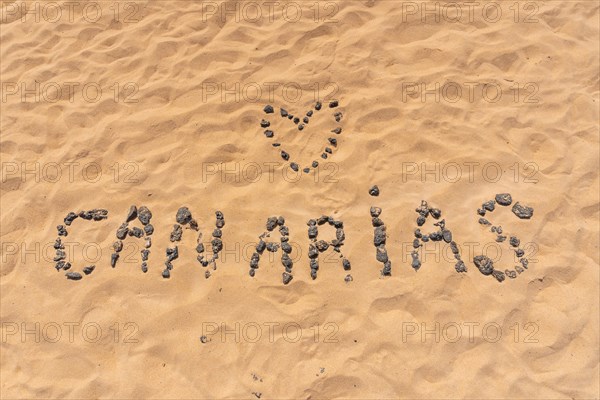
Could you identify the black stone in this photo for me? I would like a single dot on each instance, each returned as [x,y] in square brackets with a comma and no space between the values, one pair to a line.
[374,191]
[113,259]
[172,253]
[328,150]
[435,213]
[375,212]
[285,155]
[272,247]
[284,230]
[268,109]
[318,106]
[337,131]
[322,245]
[309,113]
[484,221]
[217,233]
[69,218]
[504,199]
[176,233]
[500,238]
[499,275]
[122,231]
[333,141]
[346,265]
[300,127]
[296,120]
[306,170]
[312,232]
[166,273]
[454,247]
[145,253]
[286,261]
[387,269]
[271,223]
[324,156]
[314,264]
[144,215]
[460,266]
[149,229]
[380,236]
[264,123]
[416,263]
[89,269]
[312,251]
[287,278]
[420,220]
[338,116]
[294,166]
[381,254]
[333,104]
[520,252]
[447,235]
[436,236]
[283,112]
[484,264]
[315,164]
[137,232]
[200,248]
[132,214]
[74,276]
[305,120]
[285,246]
[521,211]
[62,231]
[217,245]
[489,205]
[183,216]
[269,133]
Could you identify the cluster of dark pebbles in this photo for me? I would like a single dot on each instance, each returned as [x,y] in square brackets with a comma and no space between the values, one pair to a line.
[184,217]
[301,122]
[318,246]
[442,233]
[379,239]
[485,264]
[97,214]
[144,215]
[272,247]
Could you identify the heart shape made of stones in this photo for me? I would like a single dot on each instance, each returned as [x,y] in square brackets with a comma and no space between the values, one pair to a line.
[302,123]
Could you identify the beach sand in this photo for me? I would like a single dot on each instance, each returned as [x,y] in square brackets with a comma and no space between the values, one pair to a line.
[165,110]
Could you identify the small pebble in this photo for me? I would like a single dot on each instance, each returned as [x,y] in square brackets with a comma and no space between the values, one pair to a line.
[88,270]
[268,109]
[374,191]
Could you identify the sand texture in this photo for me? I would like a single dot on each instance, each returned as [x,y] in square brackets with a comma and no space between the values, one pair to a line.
[165,110]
